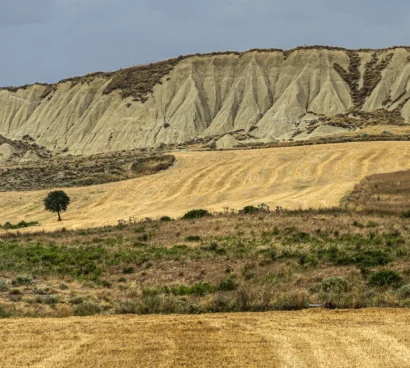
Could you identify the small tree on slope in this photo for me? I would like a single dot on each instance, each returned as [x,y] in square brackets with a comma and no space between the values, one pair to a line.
[57,202]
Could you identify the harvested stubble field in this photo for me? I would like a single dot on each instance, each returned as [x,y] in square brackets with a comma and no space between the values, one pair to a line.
[315,338]
[307,176]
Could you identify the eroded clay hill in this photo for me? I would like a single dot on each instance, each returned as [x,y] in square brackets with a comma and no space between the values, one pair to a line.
[267,94]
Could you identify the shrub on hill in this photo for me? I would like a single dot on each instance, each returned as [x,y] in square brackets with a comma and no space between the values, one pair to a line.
[406,214]
[404,292]
[20,225]
[385,278]
[250,210]
[196,214]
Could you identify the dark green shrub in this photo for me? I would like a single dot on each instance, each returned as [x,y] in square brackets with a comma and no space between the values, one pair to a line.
[196,214]
[15,292]
[337,257]
[4,313]
[404,292]
[308,260]
[165,219]
[128,270]
[372,258]
[3,286]
[87,309]
[250,210]
[126,307]
[300,237]
[200,289]
[228,284]
[358,224]
[214,247]
[21,280]
[20,225]
[193,238]
[143,237]
[406,214]
[333,292]
[77,300]
[103,283]
[334,284]
[385,278]
[140,229]
[47,299]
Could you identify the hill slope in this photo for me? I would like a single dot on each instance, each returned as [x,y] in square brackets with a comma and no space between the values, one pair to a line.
[270,94]
[307,176]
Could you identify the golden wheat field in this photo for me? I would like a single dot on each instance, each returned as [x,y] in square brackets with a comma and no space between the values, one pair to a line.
[307,176]
[313,338]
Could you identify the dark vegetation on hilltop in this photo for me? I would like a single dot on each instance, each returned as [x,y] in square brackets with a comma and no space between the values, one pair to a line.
[24,146]
[82,171]
[139,81]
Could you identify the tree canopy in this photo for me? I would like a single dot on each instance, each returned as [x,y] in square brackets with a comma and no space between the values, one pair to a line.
[57,202]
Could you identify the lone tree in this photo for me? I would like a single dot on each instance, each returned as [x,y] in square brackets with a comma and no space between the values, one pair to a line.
[56,201]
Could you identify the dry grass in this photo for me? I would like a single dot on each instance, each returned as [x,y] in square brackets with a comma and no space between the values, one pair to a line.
[382,193]
[308,176]
[370,338]
[276,262]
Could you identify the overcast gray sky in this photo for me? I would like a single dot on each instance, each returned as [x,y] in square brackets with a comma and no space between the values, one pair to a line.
[47,40]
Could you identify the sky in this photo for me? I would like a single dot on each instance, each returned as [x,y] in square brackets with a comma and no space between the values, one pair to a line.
[48,40]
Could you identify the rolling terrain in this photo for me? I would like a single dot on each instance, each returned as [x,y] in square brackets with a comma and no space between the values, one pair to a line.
[230,262]
[368,338]
[307,176]
[265,94]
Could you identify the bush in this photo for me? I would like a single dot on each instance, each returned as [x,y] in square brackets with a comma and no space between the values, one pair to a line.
[126,307]
[406,214]
[20,225]
[143,237]
[334,284]
[4,313]
[333,292]
[87,309]
[250,210]
[165,219]
[21,280]
[199,289]
[193,238]
[128,270]
[385,278]
[404,292]
[3,286]
[228,284]
[196,214]
[47,299]
[372,258]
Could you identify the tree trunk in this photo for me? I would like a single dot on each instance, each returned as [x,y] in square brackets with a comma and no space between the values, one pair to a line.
[59,217]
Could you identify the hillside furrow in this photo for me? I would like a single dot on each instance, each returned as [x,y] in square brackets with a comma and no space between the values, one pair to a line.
[306,176]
